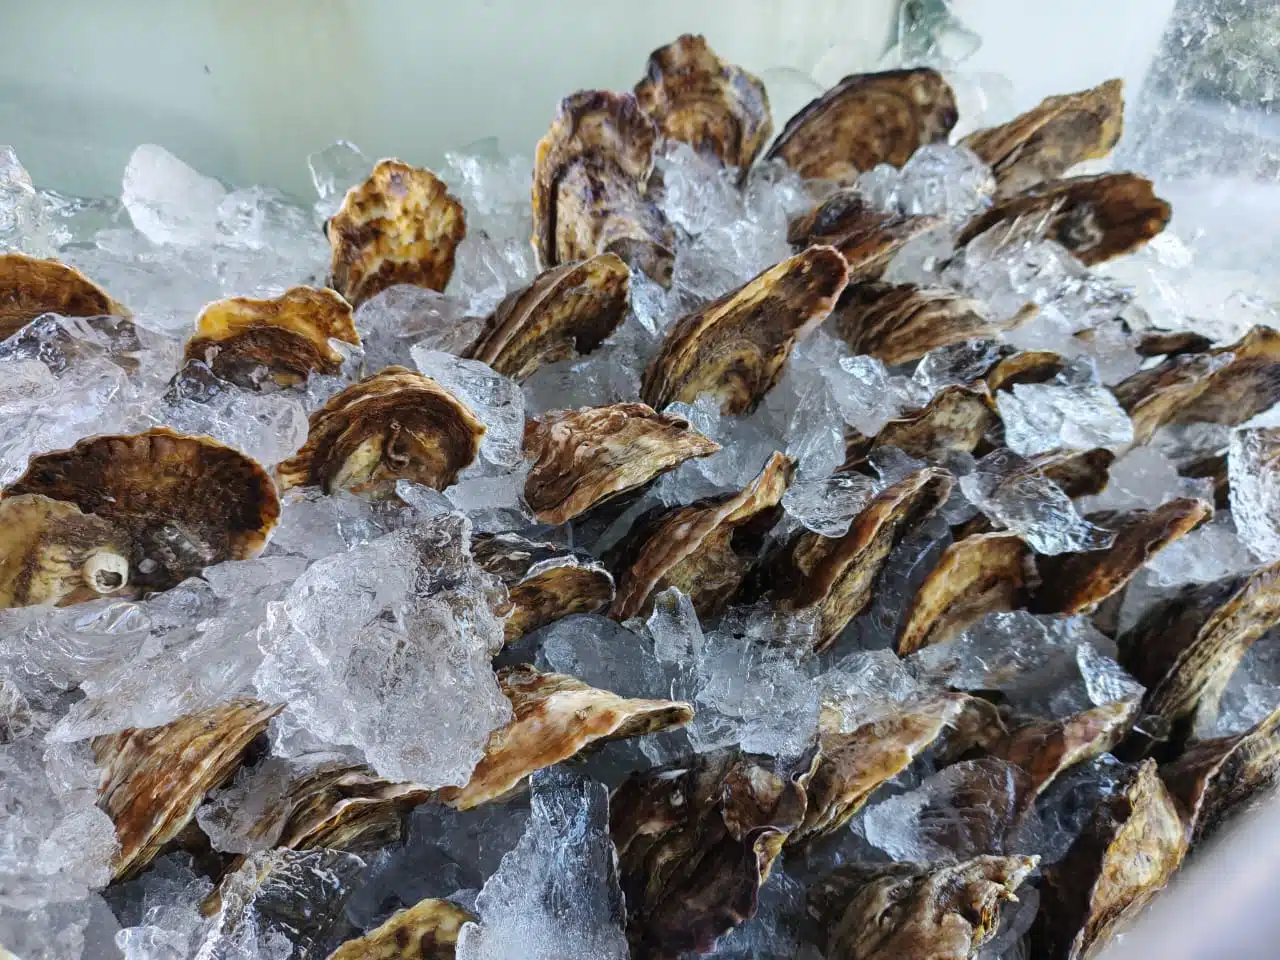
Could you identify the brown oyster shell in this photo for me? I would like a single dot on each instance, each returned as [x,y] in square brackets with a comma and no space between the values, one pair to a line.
[544,581]
[30,287]
[693,96]
[185,502]
[891,911]
[153,779]
[50,552]
[1096,218]
[867,238]
[1170,343]
[556,717]
[864,120]
[1025,366]
[288,335]
[735,348]
[695,842]
[426,931]
[1126,854]
[1078,473]
[955,420]
[693,548]
[582,458]
[1051,138]
[567,310]
[1212,467]
[400,226]
[394,425]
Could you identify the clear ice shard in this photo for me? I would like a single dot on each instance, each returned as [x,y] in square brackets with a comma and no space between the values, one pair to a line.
[335,170]
[404,316]
[1252,692]
[159,911]
[1142,479]
[168,201]
[1043,417]
[827,506]
[939,180]
[232,812]
[495,399]
[556,895]
[956,363]
[22,213]
[1210,552]
[1253,474]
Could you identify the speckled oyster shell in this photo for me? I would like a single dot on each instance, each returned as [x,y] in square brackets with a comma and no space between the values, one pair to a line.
[867,238]
[1025,366]
[287,335]
[582,458]
[1051,138]
[394,425]
[153,779]
[889,911]
[1126,854]
[400,226]
[695,842]
[556,717]
[1096,218]
[957,419]
[50,552]
[184,502]
[30,287]
[695,97]
[736,347]
[698,548]
[864,120]
[544,581]
[426,931]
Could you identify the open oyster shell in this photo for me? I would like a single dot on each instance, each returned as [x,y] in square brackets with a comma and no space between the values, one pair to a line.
[699,548]
[50,552]
[867,238]
[695,97]
[556,717]
[1051,138]
[957,419]
[426,931]
[287,335]
[184,502]
[864,120]
[153,779]
[30,287]
[394,425]
[582,458]
[735,348]
[400,226]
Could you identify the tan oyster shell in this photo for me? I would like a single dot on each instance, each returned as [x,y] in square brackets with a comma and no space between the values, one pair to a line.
[1025,366]
[867,238]
[955,420]
[426,931]
[50,552]
[30,287]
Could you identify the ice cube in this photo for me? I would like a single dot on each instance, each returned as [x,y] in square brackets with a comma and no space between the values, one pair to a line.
[315,524]
[335,170]
[1252,692]
[496,400]
[404,315]
[232,815]
[938,180]
[1142,479]
[827,506]
[956,363]
[1254,482]
[160,910]
[169,201]
[1210,552]
[23,219]
[1042,417]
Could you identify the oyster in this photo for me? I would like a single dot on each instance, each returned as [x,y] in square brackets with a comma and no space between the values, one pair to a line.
[955,420]
[866,237]
[53,553]
[702,548]
[544,581]
[426,931]
[556,717]
[183,502]
[400,226]
[735,348]
[30,287]
[582,458]
[153,779]
[1131,847]
[887,911]
[864,120]
[1025,366]
[288,336]
[695,97]
[1168,343]
[1096,218]
[568,310]
[695,842]
[1051,138]
[394,425]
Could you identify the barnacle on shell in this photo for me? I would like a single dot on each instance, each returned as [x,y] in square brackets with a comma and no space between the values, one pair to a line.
[30,287]
[50,552]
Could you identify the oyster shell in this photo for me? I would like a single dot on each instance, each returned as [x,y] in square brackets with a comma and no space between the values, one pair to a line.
[544,581]
[50,552]
[183,502]
[400,226]
[567,310]
[695,97]
[1079,473]
[866,237]
[556,717]
[30,287]
[1096,218]
[426,931]
[1051,138]
[393,425]
[864,120]
[699,548]
[1169,343]
[735,348]
[1025,366]
[153,779]
[287,335]
[887,911]
[955,420]
[1126,854]
[582,458]
[1212,467]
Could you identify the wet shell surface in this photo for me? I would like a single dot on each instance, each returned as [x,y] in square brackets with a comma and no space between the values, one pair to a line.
[30,287]
[50,552]
[867,238]
[426,931]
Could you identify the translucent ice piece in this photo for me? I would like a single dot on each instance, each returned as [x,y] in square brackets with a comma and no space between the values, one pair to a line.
[1142,479]
[23,224]
[1253,473]
[938,180]
[956,363]
[496,400]
[1210,552]
[335,170]
[1042,417]
[404,315]
[169,201]
[827,506]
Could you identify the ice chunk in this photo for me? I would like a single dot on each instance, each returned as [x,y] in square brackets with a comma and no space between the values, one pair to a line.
[404,315]
[169,201]
[868,399]
[281,233]
[495,399]
[605,654]
[1255,490]
[335,170]
[939,180]
[56,931]
[160,910]
[1042,417]
[745,444]
[232,812]
[486,181]
[1067,806]
[827,506]
[489,265]
[23,218]
[315,524]
[493,498]
[776,932]
[1142,479]
[1210,552]
[1252,692]
[865,685]
[956,363]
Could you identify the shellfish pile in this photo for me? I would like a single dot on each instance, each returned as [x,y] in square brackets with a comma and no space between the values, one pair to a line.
[715,543]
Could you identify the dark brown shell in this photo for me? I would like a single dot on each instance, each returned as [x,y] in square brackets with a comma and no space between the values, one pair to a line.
[568,310]
[582,458]
[184,502]
[1168,343]
[50,552]
[866,237]
[864,120]
[955,420]
[30,287]
[695,97]
[394,425]
[426,931]
[400,226]
[1025,366]
[1096,218]
[1211,467]
[736,347]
